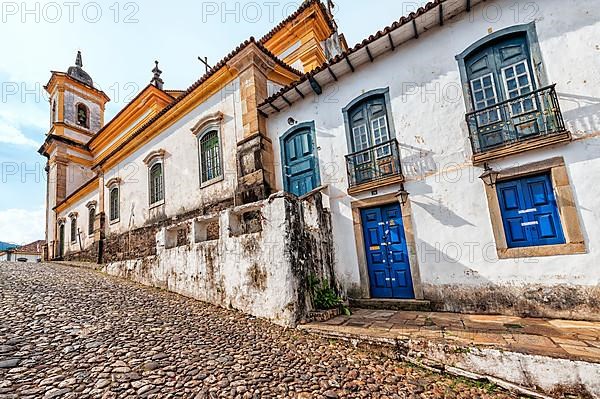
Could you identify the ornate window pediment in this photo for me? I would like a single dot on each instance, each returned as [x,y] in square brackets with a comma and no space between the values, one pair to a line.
[154,156]
[115,181]
[211,120]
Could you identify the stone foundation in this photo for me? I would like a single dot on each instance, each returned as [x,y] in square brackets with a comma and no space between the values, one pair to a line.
[559,302]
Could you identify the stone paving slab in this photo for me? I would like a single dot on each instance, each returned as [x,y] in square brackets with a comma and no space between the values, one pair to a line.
[74,333]
[574,340]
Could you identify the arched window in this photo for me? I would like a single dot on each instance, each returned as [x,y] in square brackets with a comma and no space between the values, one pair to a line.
[73,229]
[157,191]
[368,123]
[114,209]
[507,95]
[210,156]
[92,218]
[374,151]
[83,115]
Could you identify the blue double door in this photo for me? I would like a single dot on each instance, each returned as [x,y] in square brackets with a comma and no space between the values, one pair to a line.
[387,252]
[530,212]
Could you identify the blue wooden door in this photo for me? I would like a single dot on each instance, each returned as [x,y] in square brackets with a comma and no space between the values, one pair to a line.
[529,212]
[300,169]
[387,253]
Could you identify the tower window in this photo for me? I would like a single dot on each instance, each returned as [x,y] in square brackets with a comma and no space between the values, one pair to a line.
[83,114]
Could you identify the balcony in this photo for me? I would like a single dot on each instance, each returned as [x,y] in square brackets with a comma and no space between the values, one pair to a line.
[522,123]
[374,167]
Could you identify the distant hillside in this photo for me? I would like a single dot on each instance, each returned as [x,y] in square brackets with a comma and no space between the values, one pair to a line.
[5,245]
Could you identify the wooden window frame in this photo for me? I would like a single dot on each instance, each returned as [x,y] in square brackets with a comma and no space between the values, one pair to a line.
[210,129]
[567,209]
[73,229]
[539,79]
[91,221]
[151,166]
[383,93]
[154,158]
[111,219]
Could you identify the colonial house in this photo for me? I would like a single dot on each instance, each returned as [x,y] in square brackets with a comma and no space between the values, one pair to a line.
[458,148]
[441,162]
[31,253]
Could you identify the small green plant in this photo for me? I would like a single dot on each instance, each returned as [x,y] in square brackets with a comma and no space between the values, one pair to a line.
[324,296]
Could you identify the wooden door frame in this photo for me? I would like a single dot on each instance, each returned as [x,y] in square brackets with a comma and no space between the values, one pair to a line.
[363,268]
[282,151]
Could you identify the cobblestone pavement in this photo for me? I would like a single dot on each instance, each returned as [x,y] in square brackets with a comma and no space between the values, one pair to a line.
[73,333]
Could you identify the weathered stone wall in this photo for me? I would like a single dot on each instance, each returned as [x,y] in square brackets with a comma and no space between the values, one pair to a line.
[528,300]
[259,262]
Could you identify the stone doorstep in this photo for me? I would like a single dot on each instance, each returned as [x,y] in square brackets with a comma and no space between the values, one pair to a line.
[391,304]
[436,351]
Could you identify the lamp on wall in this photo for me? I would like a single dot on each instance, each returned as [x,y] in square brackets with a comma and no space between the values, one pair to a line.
[489,176]
[291,121]
[403,195]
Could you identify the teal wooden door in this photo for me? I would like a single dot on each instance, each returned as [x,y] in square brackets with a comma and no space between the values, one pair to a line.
[300,166]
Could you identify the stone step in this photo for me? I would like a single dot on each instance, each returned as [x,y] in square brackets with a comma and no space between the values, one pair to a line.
[414,305]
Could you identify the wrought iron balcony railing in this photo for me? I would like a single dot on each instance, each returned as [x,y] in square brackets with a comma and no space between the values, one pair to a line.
[531,115]
[372,164]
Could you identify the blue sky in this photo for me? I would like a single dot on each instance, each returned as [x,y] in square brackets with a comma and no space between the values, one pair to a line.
[120,41]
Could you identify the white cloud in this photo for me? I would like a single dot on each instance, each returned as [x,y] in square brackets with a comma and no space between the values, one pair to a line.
[12,135]
[22,226]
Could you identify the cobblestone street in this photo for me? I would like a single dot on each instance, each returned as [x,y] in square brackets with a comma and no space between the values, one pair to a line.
[74,333]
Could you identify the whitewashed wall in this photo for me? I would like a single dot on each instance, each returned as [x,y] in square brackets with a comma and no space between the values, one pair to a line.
[450,212]
[251,272]
[82,223]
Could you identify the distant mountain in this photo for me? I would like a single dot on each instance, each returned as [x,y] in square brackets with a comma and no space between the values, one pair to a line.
[5,245]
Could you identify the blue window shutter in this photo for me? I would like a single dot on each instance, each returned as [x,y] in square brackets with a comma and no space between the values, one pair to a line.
[530,212]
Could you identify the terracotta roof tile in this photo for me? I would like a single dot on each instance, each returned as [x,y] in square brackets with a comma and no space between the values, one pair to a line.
[198,83]
[385,31]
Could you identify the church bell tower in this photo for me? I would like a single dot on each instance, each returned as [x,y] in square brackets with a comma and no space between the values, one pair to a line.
[76,115]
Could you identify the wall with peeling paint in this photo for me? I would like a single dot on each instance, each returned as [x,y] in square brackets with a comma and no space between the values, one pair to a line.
[257,265]
[460,269]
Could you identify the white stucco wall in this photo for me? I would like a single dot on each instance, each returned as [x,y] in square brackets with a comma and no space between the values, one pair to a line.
[250,272]
[450,211]
[82,211]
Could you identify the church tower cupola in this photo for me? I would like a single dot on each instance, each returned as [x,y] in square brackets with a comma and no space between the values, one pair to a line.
[77,72]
